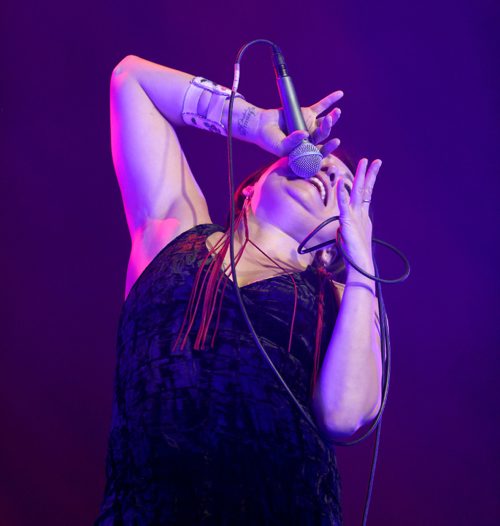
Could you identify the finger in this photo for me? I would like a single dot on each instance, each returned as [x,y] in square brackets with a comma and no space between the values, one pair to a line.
[292,141]
[323,130]
[335,114]
[359,183]
[325,125]
[329,147]
[342,198]
[371,177]
[326,102]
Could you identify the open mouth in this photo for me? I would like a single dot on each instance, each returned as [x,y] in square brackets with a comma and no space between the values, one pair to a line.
[320,186]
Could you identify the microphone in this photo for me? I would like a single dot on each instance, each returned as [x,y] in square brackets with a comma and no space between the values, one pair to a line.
[305,159]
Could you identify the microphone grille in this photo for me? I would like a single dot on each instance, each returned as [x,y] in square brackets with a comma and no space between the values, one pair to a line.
[305,160]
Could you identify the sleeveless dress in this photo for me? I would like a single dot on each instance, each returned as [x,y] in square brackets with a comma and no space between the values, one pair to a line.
[210,437]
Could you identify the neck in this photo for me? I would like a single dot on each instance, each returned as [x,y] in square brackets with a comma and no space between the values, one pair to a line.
[274,244]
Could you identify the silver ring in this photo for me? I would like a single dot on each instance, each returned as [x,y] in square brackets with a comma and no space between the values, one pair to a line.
[366,201]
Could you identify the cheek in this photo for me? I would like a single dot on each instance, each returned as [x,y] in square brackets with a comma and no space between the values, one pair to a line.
[267,200]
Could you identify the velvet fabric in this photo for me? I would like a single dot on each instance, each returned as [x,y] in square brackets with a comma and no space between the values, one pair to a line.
[210,436]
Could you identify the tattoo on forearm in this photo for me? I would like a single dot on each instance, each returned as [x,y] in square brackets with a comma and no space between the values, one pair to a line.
[245,119]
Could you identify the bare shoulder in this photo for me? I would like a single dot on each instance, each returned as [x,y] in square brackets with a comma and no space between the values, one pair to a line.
[156,234]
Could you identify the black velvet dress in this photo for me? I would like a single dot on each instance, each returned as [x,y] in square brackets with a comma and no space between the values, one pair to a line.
[209,437]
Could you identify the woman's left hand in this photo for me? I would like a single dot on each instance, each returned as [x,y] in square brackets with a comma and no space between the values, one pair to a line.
[355,223]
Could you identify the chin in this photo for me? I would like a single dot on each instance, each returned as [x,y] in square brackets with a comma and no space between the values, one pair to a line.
[327,233]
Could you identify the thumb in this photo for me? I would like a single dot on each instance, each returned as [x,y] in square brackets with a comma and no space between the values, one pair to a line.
[293,140]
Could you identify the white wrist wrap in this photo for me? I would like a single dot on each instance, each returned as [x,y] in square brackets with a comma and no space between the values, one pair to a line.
[212,121]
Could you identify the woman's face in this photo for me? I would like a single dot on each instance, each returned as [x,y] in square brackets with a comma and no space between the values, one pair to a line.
[297,206]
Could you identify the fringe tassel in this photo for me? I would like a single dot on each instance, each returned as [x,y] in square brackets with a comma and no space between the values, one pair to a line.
[323,279]
[295,293]
[209,290]
[206,290]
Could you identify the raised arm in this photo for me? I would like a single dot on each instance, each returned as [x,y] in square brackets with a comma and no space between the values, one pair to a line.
[154,176]
[160,194]
[348,393]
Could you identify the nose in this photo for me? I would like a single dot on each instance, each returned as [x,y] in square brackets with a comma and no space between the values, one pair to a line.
[329,172]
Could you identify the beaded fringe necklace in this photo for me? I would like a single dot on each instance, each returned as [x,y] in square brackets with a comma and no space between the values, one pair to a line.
[207,291]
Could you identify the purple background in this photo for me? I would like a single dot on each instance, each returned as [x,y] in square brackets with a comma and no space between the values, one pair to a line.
[420,92]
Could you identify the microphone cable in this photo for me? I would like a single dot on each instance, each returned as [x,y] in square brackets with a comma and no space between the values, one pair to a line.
[383,319]
[231,229]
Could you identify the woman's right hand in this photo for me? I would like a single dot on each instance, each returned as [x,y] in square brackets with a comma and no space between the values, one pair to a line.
[271,137]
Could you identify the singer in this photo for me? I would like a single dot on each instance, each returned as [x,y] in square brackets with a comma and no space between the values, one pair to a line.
[202,433]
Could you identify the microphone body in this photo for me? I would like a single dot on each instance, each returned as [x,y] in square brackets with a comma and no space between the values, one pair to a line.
[294,119]
[305,159]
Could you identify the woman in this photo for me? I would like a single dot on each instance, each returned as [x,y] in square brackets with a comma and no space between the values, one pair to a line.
[202,431]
